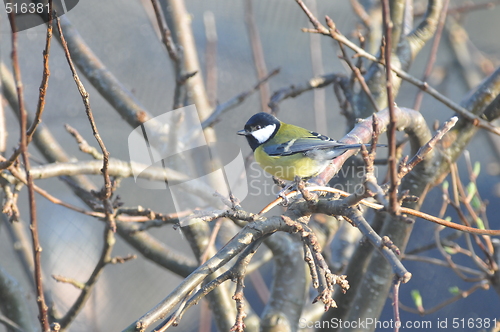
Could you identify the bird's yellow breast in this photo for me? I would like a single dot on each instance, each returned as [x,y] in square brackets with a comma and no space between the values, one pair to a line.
[287,167]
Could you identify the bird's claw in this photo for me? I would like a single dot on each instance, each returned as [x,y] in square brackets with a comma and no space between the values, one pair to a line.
[282,194]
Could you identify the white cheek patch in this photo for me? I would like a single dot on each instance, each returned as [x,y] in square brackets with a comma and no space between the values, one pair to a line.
[263,134]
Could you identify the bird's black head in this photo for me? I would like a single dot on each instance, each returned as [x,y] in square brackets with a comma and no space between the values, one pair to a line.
[260,128]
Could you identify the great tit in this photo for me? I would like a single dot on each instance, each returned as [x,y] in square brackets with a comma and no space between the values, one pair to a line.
[285,151]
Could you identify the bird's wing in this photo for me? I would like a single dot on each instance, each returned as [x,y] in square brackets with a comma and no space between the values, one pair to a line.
[305,145]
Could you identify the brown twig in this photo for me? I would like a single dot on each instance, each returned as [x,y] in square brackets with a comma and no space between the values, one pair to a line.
[432,55]
[83,145]
[243,241]
[459,296]
[361,12]
[376,206]
[488,248]
[359,77]
[467,8]
[166,35]
[335,34]
[478,261]
[407,167]
[108,86]
[297,89]
[317,25]
[134,218]
[258,54]
[77,284]
[391,128]
[48,196]
[239,325]
[448,258]
[317,70]
[211,240]
[322,276]
[235,101]
[175,55]
[37,249]
[107,190]
[88,286]
[211,56]
[395,304]
[439,262]
[41,96]
[236,272]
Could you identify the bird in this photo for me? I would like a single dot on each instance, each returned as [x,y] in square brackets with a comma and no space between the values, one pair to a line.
[287,151]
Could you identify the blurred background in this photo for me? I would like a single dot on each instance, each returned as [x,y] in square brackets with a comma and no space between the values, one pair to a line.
[124,36]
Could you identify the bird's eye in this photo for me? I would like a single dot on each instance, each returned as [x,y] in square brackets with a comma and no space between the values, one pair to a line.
[257,127]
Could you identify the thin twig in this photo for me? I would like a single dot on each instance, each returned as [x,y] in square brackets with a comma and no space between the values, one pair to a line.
[41,96]
[321,123]
[359,77]
[37,249]
[10,324]
[376,206]
[459,296]
[105,258]
[107,190]
[235,101]
[391,128]
[361,12]
[432,55]
[238,270]
[166,35]
[439,262]
[297,89]
[335,34]
[175,55]
[395,304]
[449,260]
[75,283]
[421,154]
[211,241]
[211,56]
[83,145]
[258,54]
[467,8]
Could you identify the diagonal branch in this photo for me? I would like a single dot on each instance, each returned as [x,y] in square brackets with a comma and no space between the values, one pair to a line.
[106,191]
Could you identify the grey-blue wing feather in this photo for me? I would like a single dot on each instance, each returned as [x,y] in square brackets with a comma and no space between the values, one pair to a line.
[313,147]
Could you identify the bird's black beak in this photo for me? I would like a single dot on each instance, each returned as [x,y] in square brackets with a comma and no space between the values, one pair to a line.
[242,132]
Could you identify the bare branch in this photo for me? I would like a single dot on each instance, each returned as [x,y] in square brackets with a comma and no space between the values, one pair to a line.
[391,128]
[235,101]
[475,119]
[297,89]
[37,248]
[426,29]
[107,190]
[258,54]
[432,56]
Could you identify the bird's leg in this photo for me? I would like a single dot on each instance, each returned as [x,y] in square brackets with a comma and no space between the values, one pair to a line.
[284,188]
[283,193]
[280,183]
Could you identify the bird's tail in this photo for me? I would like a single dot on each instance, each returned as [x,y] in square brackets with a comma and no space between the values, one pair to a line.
[358,146]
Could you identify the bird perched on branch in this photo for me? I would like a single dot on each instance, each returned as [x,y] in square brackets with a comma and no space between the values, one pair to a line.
[286,151]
